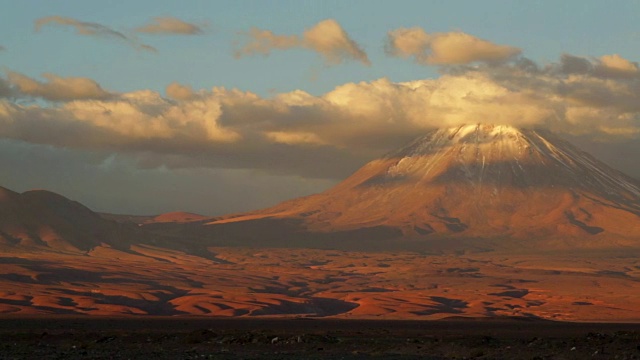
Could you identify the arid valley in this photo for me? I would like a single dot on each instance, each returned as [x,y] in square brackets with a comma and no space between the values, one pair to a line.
[551,235]
[241,303]
[323,283]
[537,235]
[320,179]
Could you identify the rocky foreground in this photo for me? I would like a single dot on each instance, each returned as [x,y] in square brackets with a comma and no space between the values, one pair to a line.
[189,338]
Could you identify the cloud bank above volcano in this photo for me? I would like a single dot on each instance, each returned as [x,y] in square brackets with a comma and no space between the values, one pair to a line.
[230,128]
[186,122]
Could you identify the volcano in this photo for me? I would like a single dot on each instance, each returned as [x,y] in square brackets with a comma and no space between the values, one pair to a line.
[536,227]
[470,182]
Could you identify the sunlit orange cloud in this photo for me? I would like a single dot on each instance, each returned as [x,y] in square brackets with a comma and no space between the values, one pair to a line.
[219,127]
[170,25]
[616,65]
[179,92]
[327,38]
[451,48]
[58,88]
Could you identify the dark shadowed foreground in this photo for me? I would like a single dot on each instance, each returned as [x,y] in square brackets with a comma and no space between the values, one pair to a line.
[200,338]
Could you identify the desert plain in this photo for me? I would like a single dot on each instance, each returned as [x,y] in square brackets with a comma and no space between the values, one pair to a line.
[254,282]
[251,303]
[502,261]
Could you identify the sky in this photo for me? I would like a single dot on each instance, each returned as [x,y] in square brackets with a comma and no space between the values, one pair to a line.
[215,107]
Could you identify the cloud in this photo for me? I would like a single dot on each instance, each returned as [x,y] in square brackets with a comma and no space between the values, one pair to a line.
[570,64]
[92,29]
[294,138]
[330,40]
[330,135]
[5,88]
[263,41]
[170,25]
[607,66]
[58,88]
[326,38]
[179,92]
[113,183]
[617,66]
[451,48]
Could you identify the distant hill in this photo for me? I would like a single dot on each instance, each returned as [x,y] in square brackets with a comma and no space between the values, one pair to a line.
[44,220]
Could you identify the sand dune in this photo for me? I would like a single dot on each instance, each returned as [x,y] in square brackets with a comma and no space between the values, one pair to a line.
[322,283]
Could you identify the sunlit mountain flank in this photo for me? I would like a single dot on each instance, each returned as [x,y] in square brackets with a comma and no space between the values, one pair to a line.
[491,187]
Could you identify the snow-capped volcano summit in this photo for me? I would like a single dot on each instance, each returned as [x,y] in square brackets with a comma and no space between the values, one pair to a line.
[475,181]
[504,156]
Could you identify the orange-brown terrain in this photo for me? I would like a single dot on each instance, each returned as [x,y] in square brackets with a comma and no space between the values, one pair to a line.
[476,221]
[320,283]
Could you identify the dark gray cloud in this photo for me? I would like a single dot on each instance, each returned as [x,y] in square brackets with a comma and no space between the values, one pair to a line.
[5,88]
[113,183]
[608,66]
[619,154]
[570,64]
[92,29]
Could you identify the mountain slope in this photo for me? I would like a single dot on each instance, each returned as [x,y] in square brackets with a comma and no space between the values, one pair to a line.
[44,220]
[474,181]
